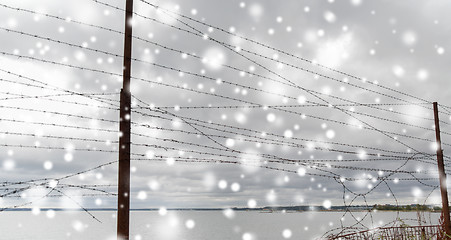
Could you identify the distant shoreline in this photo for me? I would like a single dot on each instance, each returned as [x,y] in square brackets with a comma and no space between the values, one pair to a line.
[267,209]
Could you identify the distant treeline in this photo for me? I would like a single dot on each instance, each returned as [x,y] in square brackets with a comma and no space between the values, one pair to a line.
[412,207]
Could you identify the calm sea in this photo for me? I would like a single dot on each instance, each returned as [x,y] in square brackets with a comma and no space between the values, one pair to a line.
[183,225]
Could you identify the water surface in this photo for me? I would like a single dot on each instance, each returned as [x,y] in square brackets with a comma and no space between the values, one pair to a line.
[184,225]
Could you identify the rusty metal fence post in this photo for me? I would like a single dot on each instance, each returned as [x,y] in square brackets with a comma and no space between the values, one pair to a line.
[123,197]
[442,175]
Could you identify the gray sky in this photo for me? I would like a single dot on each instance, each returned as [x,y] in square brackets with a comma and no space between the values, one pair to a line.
[395,46]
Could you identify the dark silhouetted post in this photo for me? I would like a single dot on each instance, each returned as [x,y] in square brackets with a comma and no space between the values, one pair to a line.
[123,197]
[442,175]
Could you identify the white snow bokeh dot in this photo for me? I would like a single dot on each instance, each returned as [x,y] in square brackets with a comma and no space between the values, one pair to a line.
[422,74]
[330,16]
[286,233]
[398,71]
[327,204]
[230,142]
[330,134]
[271,117]
[248,236]
[68,157]
[190,224]
[229,213]
[409,38]
[214,58]
[235,187]
[301,171]
[222,184]
[288,133]
[9,164]
[252,203]
[256,10]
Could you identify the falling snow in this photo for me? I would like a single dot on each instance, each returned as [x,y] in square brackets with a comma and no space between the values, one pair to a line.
[234,105]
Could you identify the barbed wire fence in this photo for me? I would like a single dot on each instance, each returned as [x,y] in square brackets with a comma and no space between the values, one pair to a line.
[44,117]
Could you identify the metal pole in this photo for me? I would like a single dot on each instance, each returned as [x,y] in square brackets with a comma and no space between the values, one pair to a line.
[123,197]
[442,175]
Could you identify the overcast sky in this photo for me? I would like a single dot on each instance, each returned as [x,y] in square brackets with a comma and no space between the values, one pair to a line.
[394,52]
